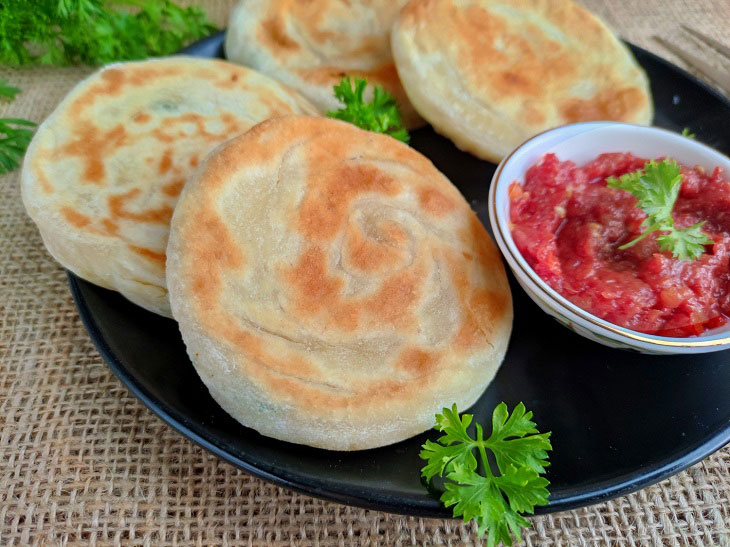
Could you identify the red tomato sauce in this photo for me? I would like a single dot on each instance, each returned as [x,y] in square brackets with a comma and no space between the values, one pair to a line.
[568,225]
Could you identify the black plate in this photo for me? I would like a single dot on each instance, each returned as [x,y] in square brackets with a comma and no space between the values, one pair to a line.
[620,420]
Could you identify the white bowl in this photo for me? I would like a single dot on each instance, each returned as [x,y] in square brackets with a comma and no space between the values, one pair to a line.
[581,143]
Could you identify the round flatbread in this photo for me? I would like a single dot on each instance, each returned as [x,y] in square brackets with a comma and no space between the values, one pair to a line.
[490,74]
[311,45]
[332,287]
[104,171]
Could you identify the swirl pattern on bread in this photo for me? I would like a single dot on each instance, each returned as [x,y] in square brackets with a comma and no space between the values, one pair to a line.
[332,287]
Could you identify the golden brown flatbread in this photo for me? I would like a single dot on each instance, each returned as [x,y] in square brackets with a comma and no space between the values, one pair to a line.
[332,287]
[103,172]
[489,74]
[311,45]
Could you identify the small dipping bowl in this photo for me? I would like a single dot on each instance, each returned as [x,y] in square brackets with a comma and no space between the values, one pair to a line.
[581,143]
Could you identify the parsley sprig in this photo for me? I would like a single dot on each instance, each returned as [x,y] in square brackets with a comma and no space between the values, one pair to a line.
[7,92]
[656,188]
[14,139]
[380,115]
[95,32]
[14,133]
[493,500]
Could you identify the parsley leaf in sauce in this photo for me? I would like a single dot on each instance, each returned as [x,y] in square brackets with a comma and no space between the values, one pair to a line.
[656,188]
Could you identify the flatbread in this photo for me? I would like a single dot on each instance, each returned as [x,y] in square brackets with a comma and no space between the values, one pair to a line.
[489,74]
[332,287]
[311,45]
[103,172]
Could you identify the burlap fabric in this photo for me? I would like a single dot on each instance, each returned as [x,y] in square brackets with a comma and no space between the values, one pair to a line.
[83,462]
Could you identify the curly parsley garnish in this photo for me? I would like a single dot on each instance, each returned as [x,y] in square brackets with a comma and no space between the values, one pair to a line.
[687,133]
[14,133]
[95,32]
[656,188]
[493,500]
[380,115]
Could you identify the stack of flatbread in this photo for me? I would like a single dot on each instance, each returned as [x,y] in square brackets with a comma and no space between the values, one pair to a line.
[488,74]
[332,287]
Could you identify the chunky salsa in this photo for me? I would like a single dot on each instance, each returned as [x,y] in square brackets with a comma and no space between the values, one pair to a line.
[569,226]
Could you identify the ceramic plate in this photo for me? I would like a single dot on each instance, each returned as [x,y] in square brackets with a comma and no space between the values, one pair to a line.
[620,420]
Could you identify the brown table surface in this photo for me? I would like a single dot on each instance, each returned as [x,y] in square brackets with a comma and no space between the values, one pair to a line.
[83,461]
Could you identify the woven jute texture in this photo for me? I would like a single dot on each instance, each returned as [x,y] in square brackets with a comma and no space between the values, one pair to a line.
[83,462]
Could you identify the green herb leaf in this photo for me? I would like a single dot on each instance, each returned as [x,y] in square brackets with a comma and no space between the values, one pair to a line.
[14,139]
[14,135]
[527,450]
[8,92]
[656,188]
[493,500]
[687,133]
[687,243]
[94,32]
[380,115]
